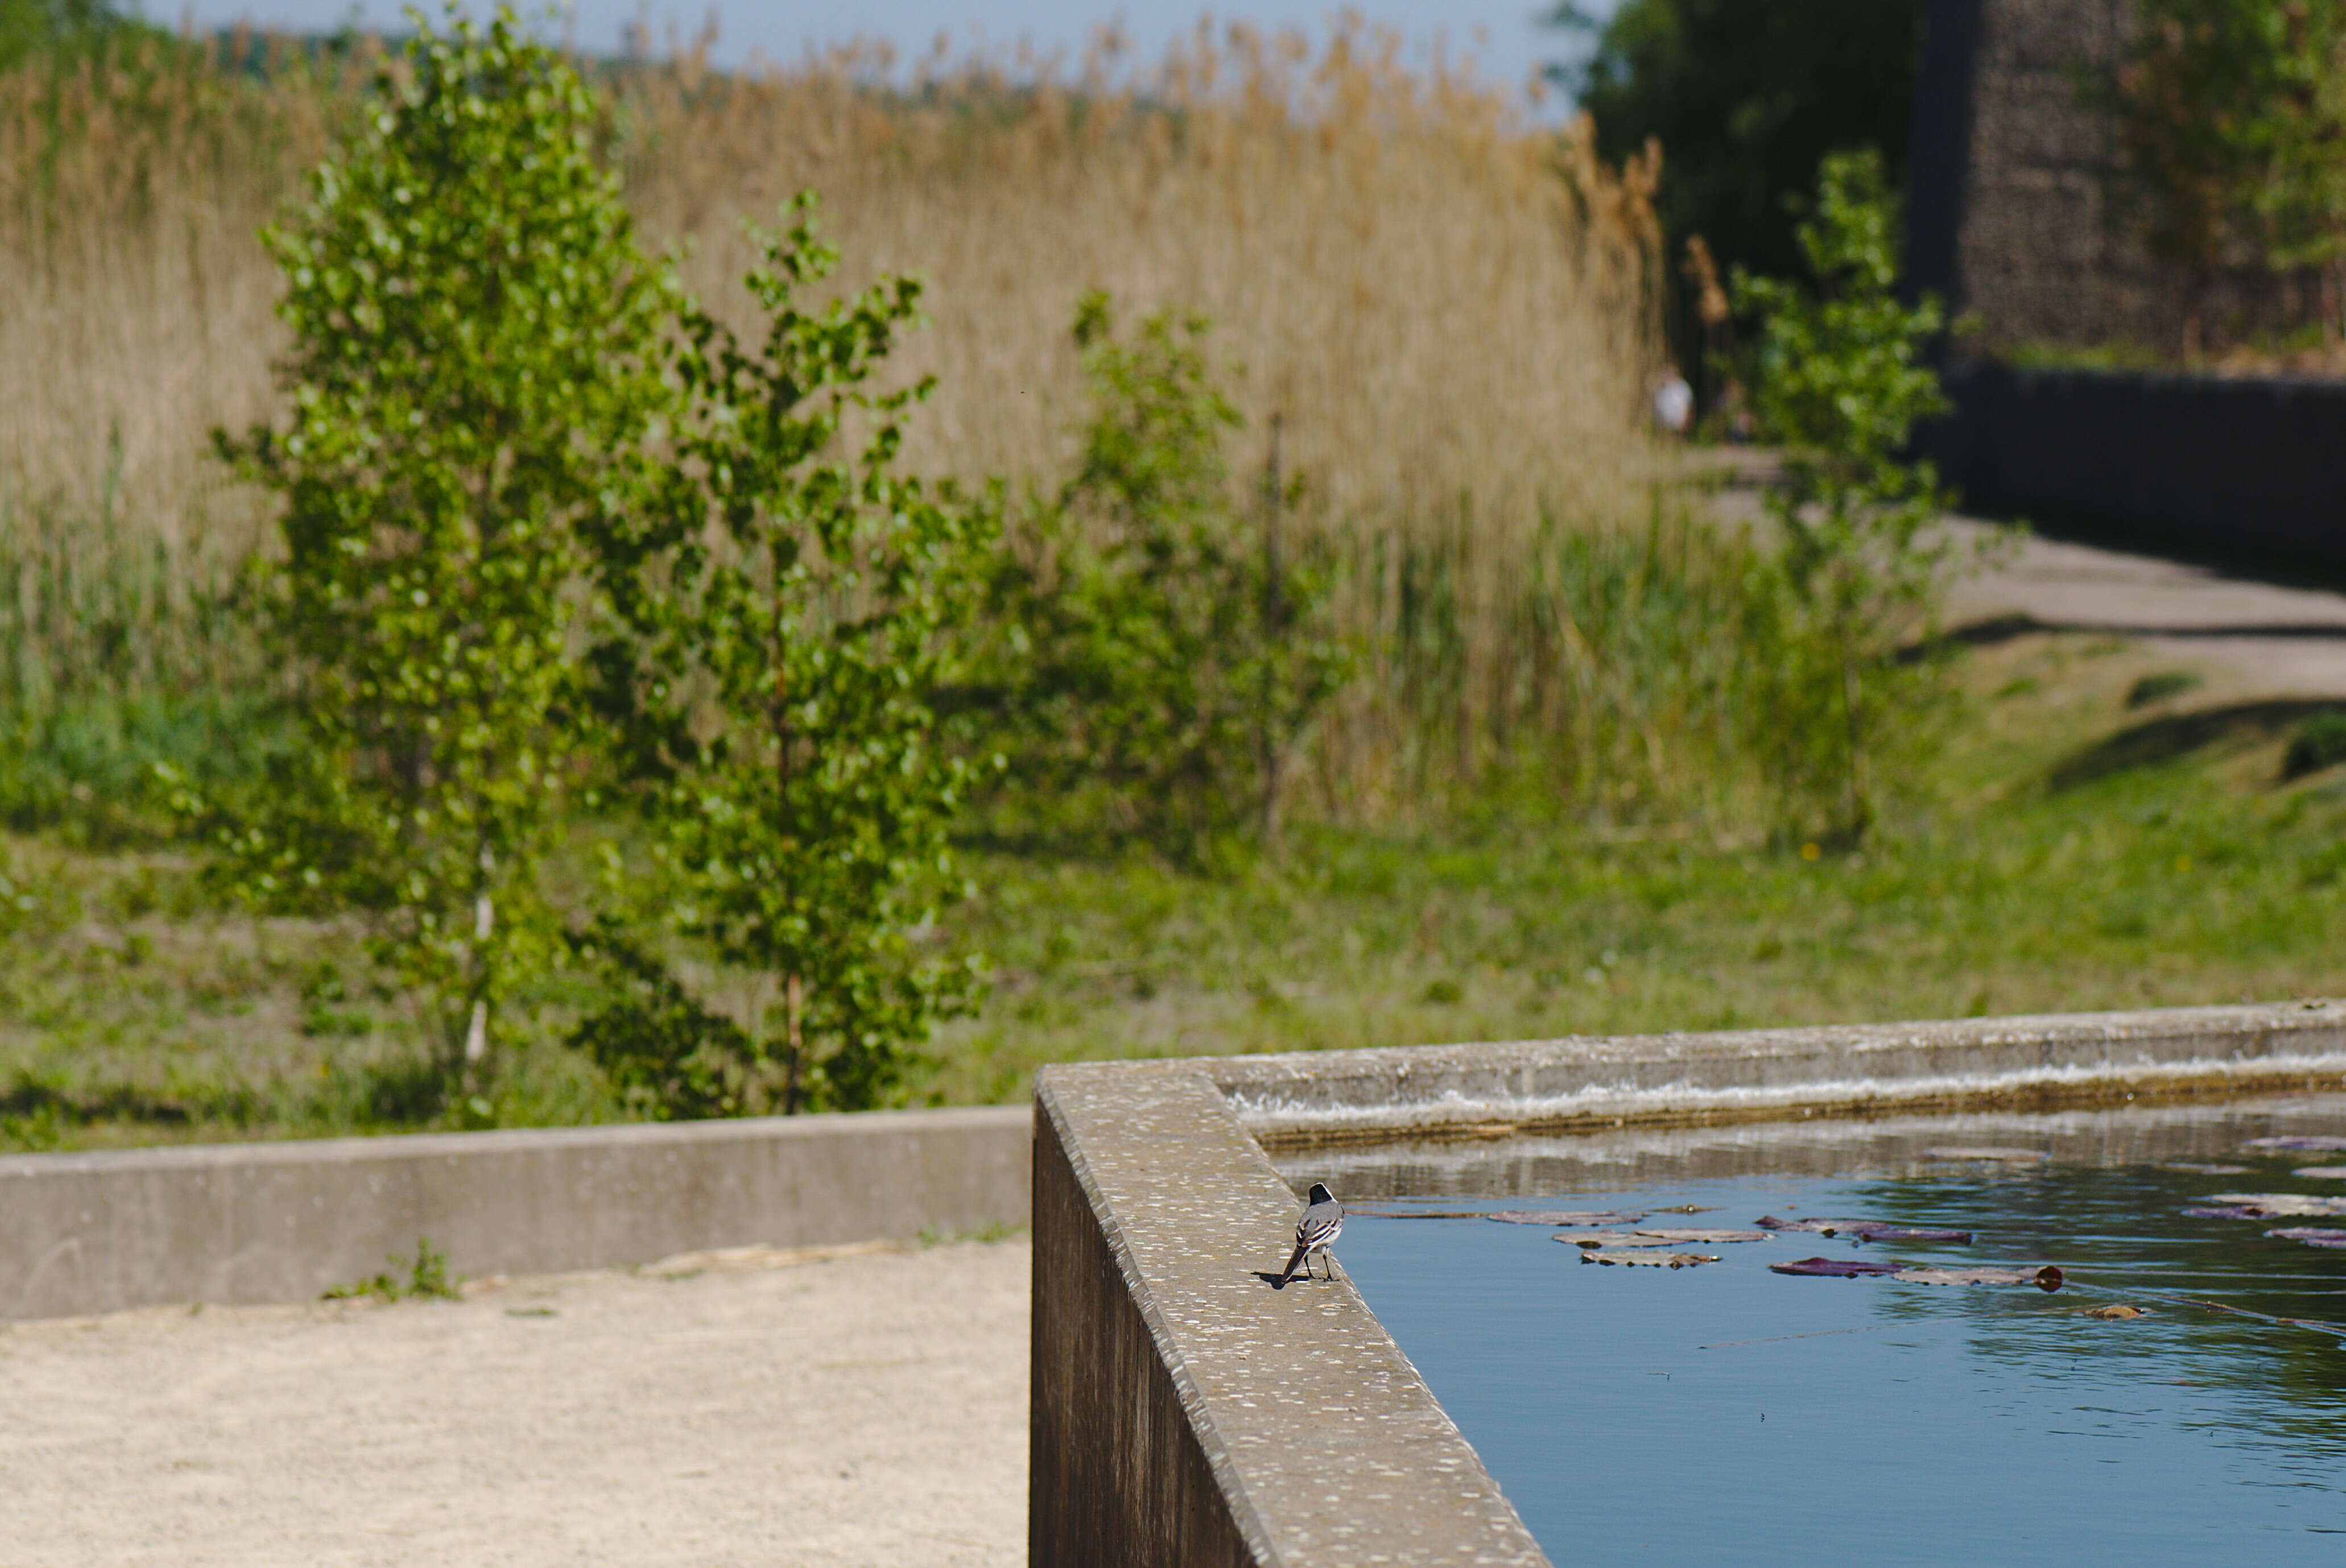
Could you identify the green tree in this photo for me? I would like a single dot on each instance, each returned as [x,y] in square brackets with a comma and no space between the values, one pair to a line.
[474,336]
[1854,582]
[1158,651]
[782,614]
[1747,100]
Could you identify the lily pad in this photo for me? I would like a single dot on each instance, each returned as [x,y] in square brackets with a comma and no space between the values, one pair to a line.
[2313,1236]
[1865,1229]
[2116,1313]
[1554,1217]
[1351,1208]
[1959,1152]
[1650,1259]
[1833,1267]
[2189,1167]
[1592,1238]
[2281,1204]
[1697,1233]
[2298,1143]
[2323,1173]
[2046,1277]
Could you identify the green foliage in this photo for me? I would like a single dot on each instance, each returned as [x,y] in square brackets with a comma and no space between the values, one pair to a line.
[1839,381]
[2233,113]
[427,1278]
[2318,743]
[669,1057]
[472,344]
[31,28]
[1156,655]
[783,612]
[1746,100]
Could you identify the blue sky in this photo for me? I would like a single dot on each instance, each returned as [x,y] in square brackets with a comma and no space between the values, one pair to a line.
[1500,36]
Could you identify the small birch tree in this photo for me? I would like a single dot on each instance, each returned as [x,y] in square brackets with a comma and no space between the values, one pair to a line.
[474,336]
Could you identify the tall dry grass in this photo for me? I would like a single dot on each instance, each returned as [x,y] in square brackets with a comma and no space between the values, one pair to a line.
[1450,309]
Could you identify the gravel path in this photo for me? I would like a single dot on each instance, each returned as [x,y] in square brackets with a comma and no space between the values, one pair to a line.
[861,1407]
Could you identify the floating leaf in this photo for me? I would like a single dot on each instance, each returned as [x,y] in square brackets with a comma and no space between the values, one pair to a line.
[1414,1213]
[1833,1267]
[2278,1204]
[1610,1238]
[2324,1173]
[2046,1278]
[2298,1143]
[1687,1208]
[2116,1313]
[2204,1170]
[1962,1152]
[1708,1234]
[1865,1229]
[1554,1217]
[2228,1213]
[1650,1259]
[2311,1235]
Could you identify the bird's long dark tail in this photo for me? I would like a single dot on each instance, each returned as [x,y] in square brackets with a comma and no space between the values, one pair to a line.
[1301,1251]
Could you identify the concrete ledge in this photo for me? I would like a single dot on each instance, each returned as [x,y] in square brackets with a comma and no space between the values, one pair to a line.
[1185,1412]
[88,1233]
[1974,1064]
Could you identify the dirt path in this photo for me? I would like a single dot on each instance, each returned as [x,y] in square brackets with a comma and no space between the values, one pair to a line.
[866,1409]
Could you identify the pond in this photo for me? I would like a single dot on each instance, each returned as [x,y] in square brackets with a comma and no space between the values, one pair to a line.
[2179,1398]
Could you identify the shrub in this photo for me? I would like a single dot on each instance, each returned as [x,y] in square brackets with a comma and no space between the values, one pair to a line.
[782,612]
[2319,742]
[1853,585]
[1156,654]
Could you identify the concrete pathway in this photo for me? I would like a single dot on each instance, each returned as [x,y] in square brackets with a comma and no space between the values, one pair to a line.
[777,1408]
[2275,640]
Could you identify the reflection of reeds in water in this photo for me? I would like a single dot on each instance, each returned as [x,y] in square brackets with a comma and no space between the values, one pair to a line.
[1451,310]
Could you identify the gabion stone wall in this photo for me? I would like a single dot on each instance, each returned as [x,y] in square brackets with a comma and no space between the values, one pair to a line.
[2021,212]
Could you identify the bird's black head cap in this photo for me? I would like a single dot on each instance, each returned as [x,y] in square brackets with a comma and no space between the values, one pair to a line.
[1319,1192]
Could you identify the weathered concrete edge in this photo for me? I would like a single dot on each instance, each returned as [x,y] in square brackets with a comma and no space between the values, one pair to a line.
[99,1232]
[1185,1411]
[2040,1061]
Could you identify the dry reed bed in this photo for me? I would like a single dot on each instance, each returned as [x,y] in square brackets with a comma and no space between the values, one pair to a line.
[1452,310]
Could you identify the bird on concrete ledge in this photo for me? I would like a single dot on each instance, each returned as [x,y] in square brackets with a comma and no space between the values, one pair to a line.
[1322,1222]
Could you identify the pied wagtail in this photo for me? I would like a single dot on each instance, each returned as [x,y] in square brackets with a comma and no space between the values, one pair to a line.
[1322,1222]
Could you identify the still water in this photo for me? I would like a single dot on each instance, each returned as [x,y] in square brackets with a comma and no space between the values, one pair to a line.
[1723,1414]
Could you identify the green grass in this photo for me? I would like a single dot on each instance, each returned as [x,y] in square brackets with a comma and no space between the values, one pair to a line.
[2069,854]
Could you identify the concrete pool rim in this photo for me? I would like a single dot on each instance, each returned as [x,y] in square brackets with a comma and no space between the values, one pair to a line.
[1185,1412]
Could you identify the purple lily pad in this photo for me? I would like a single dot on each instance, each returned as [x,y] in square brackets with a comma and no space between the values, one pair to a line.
[2313,1236]
[2298,1143]
[1554,1217]
[1865,1229]
[1833,1267]
[2227,1212]
[2047,1278]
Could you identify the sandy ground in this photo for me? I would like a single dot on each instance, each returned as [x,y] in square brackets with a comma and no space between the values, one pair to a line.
[863,1409]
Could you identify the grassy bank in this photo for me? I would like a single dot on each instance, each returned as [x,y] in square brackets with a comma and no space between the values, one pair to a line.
[2074,854]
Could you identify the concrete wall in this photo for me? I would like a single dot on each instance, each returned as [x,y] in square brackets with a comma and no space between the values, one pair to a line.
[2234,464]
[258,1222]
[1186,1410]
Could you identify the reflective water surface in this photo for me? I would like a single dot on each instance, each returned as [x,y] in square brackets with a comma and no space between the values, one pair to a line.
[1724,1413]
